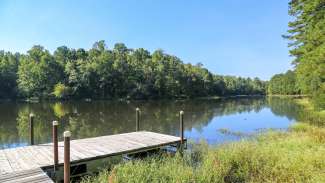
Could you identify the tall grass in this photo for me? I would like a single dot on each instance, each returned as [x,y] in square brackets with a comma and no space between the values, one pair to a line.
[311,114]
[294,156]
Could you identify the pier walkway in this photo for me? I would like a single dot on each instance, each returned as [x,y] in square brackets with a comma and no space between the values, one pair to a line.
[25,164]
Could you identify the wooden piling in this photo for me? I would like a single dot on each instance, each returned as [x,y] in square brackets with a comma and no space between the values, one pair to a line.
[55,144]
[137,119]
[31,129]
[181,126]
[67,135]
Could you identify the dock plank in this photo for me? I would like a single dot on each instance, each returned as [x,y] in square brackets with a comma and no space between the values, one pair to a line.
[26,162]
[26,176]
[5,165]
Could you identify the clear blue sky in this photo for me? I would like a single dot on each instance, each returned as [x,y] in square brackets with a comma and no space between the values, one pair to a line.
[230,37]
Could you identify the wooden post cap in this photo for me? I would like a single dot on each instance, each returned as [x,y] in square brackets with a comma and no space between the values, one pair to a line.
[67,134]
[181,112]
[31,115]
[55,123]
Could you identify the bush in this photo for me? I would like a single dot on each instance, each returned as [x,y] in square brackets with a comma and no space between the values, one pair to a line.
[61,91]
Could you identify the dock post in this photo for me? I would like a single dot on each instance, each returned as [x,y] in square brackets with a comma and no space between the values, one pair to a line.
[181,128]
[31,128]
[137,119]
[55,144]
[67,135]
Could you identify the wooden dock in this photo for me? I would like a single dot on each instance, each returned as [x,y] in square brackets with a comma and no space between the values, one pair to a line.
[27,161]
[26,164]
[31,176]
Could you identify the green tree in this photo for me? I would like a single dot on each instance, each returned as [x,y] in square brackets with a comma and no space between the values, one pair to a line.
[8,74]
[283,84]
[61,91]
[307,44]
[37,73]
[120,72]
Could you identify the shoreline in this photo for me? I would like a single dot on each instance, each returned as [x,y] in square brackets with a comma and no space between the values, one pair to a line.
[38,100]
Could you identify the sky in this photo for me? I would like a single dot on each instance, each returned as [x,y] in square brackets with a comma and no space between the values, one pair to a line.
[229,37]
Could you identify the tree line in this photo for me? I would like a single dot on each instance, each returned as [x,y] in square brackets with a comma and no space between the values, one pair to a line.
[283,84]
[306,35]
[121,72]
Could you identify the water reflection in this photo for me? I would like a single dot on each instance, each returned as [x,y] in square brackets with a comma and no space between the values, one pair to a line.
[203,118]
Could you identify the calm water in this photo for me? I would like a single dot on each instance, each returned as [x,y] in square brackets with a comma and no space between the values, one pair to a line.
[204,119]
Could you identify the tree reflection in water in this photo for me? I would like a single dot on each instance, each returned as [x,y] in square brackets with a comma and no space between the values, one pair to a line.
[96,118]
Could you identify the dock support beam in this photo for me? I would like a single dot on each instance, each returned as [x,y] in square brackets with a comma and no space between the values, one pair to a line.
[181,129]
[67,135]
[31,128]
[137,119]
[55,144]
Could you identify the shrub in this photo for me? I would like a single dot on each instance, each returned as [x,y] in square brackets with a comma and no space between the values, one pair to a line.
[61,91]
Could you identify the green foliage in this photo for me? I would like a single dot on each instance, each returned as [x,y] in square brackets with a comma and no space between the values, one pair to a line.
[312,113]
[8,76]
[38,72]
[283,84]
[294,156]
[244,86]
[307,42]
[319,99]
[61,91]
[117,73]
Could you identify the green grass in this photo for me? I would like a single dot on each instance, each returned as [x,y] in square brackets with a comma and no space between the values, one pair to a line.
[294,156]
[311,114]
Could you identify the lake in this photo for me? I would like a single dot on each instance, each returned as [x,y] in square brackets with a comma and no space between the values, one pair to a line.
[215,121]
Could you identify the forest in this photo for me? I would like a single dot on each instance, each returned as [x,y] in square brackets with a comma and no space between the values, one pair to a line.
[283,84]
[101,73]
[306,36]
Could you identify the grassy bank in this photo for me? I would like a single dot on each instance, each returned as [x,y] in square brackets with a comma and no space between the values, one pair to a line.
[311,114]
[293,156]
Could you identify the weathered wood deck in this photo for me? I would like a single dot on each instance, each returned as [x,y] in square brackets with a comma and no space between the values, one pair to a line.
[32,158]
[26,176]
